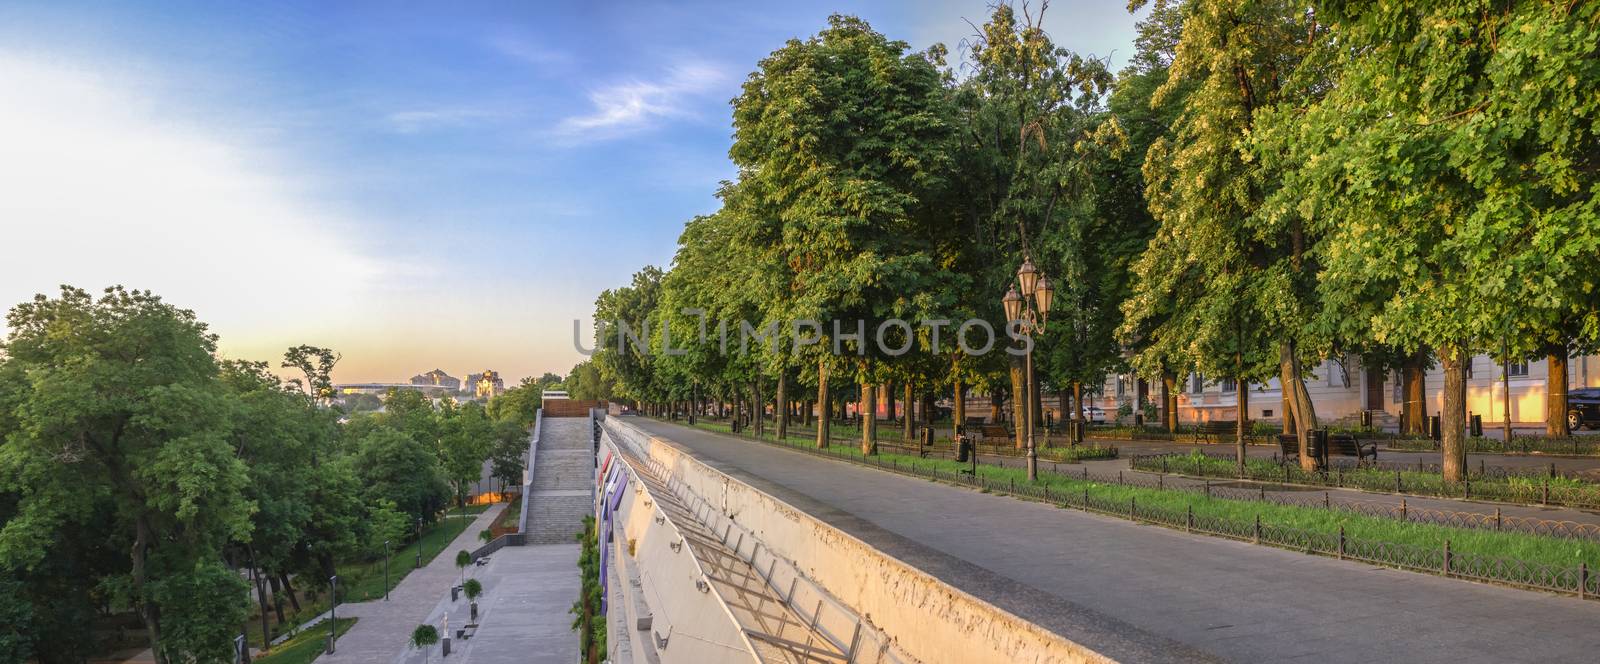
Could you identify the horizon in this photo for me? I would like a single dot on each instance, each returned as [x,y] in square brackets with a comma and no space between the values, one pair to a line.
[370,165]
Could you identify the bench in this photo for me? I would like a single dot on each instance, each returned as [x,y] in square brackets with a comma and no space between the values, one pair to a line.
[994,431]
[1215,430]
[1344,444]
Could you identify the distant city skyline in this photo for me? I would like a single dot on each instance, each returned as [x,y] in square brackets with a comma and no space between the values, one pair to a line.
[433,186]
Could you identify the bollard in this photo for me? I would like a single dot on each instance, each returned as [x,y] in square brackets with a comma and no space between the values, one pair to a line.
[1447,557]
[1404,514]
[1188,518]
[1255,537]
[1496,518]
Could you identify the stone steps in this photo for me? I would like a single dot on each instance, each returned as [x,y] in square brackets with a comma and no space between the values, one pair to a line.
[563,482]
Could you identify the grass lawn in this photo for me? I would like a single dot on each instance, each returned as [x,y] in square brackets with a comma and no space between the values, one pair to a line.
[305,646]
[1522,546]
[1526,489]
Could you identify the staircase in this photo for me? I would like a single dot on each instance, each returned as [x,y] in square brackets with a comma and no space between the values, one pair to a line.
[563,481]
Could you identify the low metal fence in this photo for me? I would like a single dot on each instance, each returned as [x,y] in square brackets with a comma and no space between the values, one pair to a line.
[1493,483]
[1443,561]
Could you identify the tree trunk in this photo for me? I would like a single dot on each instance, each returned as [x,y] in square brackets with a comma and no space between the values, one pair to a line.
[1242,420]
[994,407]
[783,405]
[1141,392]
[1453,418]
[261,598]
[1169,401]
[1555,396]
[1019,399]
[959,408]
[1414,391]
[277,596]
[1077,404]
[148,612]
[1037,401]
[869,420]
[758,408]
[288,591]
[888,401]
[911,415]
[1288,409]
[1305,415]
[822,402]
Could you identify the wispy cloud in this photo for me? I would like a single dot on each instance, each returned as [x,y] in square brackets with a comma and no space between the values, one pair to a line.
[625,108]
[419,120]
[527,51]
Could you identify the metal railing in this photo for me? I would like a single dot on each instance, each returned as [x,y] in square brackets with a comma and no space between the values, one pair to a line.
[1494,483]
[527,485]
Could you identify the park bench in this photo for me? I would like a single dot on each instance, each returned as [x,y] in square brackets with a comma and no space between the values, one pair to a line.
[994,431]
[1215,430]
[1344,444]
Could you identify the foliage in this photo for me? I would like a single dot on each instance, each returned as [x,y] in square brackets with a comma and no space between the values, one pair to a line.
[472,588]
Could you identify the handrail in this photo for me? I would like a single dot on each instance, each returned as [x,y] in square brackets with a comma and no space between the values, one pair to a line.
[527,482]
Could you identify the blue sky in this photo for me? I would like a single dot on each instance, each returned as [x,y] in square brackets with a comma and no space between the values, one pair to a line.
[416,185]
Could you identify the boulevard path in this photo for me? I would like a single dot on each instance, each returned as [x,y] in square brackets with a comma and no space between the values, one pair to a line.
[384,628]
[1143,593]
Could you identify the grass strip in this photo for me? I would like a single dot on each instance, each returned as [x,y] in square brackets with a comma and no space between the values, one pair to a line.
[804,438]
[305,646]
[1520,489]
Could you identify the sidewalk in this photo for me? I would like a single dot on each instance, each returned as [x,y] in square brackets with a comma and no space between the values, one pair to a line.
[1144,593]
[383,632]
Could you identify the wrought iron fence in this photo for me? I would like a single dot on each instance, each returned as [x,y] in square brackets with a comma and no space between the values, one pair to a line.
[1495,483]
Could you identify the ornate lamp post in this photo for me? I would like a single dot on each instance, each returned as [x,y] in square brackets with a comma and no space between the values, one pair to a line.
[1032,308]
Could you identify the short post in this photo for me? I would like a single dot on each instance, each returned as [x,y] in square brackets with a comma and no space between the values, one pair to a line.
[1085,473]
[1497,518]
[1466,487]
[1397,486]
[1263,489]
[1544,496]
[1188,518]
[1447,557]
[1327,503]
[1583,579]
[1255,537]
[1161,482]
[1132,506]
[1341,541]
[1404,515]
[1086,496]
[1208,489]
[1119,478]
[1340,481]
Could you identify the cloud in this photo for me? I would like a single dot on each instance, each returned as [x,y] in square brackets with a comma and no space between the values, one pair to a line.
[526,51]
[636,105]
[415,121]
[104,183]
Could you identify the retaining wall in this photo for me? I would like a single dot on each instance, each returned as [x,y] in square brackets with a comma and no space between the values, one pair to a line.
[928,619]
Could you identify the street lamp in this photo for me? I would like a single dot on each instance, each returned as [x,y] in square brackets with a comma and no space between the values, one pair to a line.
[1031,307]
[419,542]
[333,613]
[386,570]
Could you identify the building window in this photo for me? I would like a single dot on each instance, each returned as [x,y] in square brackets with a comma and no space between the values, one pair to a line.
[1197,383]
[1122,388]
[1515,369]
[1266,412]
[1229,385]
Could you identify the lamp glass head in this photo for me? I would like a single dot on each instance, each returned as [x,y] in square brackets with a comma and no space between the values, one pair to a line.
[1013,304]
[1027,277]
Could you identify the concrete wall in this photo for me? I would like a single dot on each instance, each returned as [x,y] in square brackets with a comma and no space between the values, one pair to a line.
[696,625]
[929,620]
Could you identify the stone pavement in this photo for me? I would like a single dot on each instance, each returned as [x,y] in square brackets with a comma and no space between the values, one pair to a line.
[523,613]
[1145,593]
[384,629]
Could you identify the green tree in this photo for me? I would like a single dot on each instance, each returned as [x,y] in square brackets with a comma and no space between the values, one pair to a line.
[843,140]
[1452,168]
[423,638]
[1222,288]
[122,392]
[395,467]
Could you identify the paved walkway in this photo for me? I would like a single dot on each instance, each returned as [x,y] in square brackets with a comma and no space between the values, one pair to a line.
[384,629]
[523,614]
[1143,593]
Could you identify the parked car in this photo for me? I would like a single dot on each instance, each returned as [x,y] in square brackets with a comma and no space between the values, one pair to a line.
[1094,415]
[1583,408]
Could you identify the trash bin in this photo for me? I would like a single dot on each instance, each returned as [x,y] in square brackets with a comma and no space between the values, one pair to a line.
[963,448]
[1477,426]
[1434,431]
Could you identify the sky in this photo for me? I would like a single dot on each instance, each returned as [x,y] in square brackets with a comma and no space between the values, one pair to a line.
[415,185]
